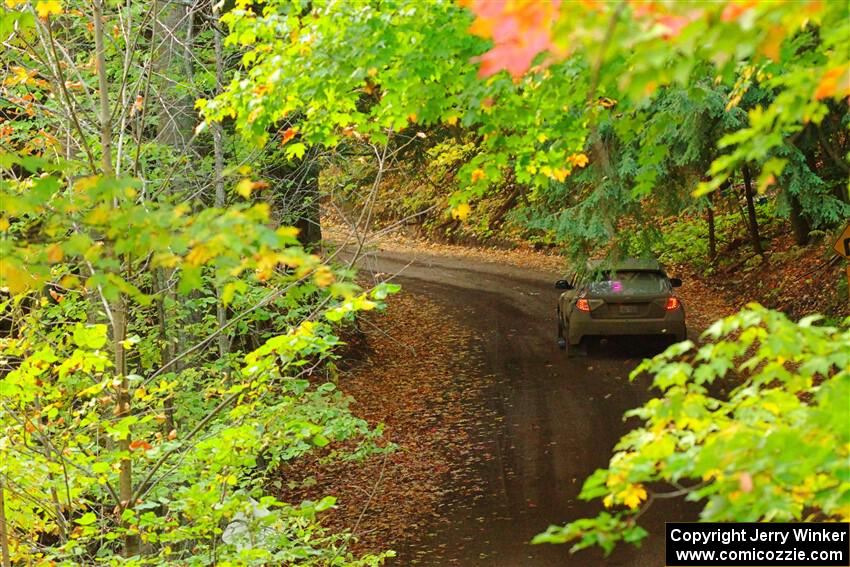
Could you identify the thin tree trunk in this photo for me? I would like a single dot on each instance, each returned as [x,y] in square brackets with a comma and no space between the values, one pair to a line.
[173,25]
[752,221]
[4,533]
[799,225]
[118,307]
[712,231]
[307,205]
[167,353]
[218,149]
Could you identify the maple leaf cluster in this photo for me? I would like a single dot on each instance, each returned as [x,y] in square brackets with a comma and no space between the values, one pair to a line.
[520,29]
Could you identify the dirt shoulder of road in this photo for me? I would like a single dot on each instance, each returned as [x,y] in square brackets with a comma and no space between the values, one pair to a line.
[522,256]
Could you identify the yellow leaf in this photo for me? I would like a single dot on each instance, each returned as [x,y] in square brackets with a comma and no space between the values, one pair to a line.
[461,212]
[4,224]
[54,253]
[451,120]
[199,255]
[542,137]
[579,160]
[14,3]
[633,495]
[477,175]
[100,215]
[244,187]
[86,183]
[46,8]
[13,278]
[70,282]
[288,231]
[323,276]
[615,478]
[560,173]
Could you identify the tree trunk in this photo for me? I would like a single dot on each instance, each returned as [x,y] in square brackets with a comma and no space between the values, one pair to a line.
[218,150]
[309,222]
[173,66]
[117,307]
[4,534]
[799,224]
[752,221]
[712,233]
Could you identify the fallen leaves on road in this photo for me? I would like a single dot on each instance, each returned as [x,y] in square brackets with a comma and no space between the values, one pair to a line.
[408,376]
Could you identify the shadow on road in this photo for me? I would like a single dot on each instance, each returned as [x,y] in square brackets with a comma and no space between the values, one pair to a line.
[625,347]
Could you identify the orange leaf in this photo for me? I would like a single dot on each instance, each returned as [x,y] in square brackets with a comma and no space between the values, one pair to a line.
[835,83]
[139,444]
[288,135]
[579,160]
[734,10]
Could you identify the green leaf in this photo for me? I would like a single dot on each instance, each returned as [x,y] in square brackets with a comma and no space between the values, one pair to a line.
[295,150]
[89,336]
[86,519]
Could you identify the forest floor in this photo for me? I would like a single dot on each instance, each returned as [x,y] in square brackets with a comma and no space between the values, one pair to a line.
[797,280]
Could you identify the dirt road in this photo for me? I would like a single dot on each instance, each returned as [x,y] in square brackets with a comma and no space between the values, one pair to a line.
[556,419]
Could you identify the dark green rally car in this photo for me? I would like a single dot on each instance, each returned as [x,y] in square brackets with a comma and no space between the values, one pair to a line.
[630,297]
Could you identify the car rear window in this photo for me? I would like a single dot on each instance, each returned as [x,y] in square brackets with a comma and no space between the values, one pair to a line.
[628,282]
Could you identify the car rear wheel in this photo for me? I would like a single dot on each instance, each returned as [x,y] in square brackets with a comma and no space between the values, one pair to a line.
[562,342]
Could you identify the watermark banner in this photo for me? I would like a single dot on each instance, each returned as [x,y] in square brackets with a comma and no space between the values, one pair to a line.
[758,544]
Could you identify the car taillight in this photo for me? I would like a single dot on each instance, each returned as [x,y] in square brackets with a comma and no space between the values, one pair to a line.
[672,303]
[582,305]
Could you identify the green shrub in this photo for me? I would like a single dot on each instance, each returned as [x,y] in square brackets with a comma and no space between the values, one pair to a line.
[775,448]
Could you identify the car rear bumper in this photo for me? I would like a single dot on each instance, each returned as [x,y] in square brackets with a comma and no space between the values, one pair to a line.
[583,325]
